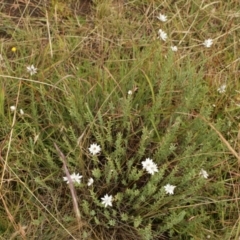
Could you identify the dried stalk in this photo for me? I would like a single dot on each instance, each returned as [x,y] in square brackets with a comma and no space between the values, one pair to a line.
[71,185]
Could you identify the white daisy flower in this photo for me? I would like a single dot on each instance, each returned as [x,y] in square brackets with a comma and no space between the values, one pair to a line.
[13,108]
[130,92]
[208,43]
[162,35]
[90,182]
[21,111]
[76,178]
[32,70]
[94,149]
[203,173]
[149,166]
[222,89]
[169,188]
[162,17]
[107,200]
[174,48]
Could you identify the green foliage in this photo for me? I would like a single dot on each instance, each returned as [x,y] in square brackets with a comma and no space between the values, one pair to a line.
[126,141]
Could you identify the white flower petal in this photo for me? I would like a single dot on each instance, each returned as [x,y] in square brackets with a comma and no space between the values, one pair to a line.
[169,189]
[31,69]
[149,166]
[222,89]
[208,43]
[94,149]
[162,17]
[13,108]
[174,48]
[21,112]
[76,178]
[203,173]
[90,182]
[162,35]
[107,200]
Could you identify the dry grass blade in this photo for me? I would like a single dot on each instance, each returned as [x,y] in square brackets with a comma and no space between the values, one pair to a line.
[71,186]
[218,133]
[18,228]
[222,139]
